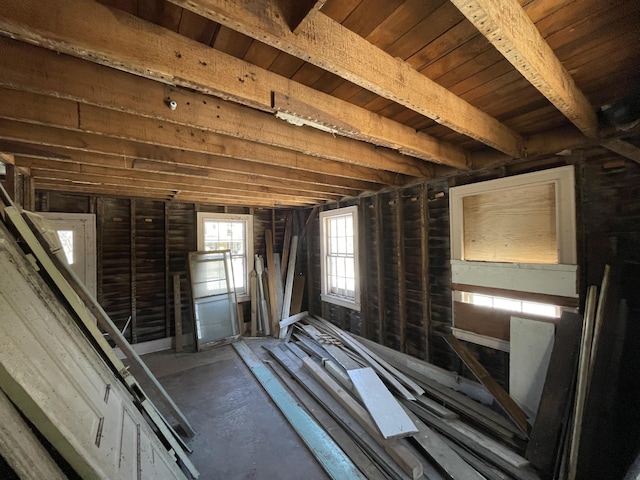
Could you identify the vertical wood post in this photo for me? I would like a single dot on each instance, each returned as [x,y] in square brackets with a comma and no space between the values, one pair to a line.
[167,284]
[12,183]
[271,276]
[380,268]
[310,245]
[132,260]
[177,312]
[402,284]
[424,248]
[28,193]
[99,246]
[286,246]
[362,264]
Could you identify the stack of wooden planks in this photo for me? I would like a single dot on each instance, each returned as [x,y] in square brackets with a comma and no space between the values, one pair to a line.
[276,290]
[395,416]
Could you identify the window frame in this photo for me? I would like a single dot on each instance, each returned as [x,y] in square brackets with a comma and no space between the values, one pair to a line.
[203,217]
[510,279]
[325,294]
[564,180]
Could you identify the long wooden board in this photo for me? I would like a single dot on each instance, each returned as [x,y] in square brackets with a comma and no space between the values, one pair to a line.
[545,440]
[510,407]
[366,442]
[388,415]
[330,456]
[436,447]
[407,460]
[271,276]
[339,434]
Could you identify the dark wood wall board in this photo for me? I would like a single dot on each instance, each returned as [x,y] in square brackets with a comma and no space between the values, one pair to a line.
[62,202]
[392,333]
[181,233]
[482,320]
[162,240]
[599,439]
[150,277]
[553,414]
[116,260]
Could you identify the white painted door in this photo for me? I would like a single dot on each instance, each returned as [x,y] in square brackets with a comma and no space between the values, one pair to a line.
[77,235]
[55,377]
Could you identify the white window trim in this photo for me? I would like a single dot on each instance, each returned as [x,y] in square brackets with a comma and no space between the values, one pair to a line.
[325,295]
[564,180]
[248,219]
[560,278]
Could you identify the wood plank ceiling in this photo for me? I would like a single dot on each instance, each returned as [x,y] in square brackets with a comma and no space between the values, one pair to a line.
[401,90]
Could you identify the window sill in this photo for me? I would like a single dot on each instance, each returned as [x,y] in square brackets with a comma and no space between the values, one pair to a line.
[343,302]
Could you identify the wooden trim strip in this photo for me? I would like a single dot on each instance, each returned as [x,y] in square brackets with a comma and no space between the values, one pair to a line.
[324,449]
[510,407]
[569,302]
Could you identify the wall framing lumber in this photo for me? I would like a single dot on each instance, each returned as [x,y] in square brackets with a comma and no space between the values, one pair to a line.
[400,273]
[382,314]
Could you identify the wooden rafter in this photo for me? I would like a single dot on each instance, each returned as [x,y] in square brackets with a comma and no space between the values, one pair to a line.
[139,180]
[329,45]
[506,25]
[300,12]
[92,163]
[34,69]
[158,194]
[623,148]
[301,166]
[33,108]
[148,50]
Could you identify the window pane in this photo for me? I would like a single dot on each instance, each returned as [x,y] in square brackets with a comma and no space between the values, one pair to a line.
[66,240]
[229,235]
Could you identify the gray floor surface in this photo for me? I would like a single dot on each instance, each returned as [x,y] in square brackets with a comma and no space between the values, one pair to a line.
[240,433]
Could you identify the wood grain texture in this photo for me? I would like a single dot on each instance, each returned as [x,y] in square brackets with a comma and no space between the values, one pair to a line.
[547,433]
[386,412]
[502,397]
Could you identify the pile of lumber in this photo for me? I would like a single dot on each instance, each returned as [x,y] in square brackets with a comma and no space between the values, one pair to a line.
[395,416]
[276,291]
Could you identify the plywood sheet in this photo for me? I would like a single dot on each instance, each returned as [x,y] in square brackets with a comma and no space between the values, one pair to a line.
[511,225]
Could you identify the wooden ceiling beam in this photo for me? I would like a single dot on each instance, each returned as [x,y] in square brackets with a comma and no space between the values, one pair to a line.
[151,51]
[43,136]
[160,159]
[30,68]
[299,12]
[623,148]
[142,180]
[193,175]
[510,30]
[157,194]
[332,47]
[66,114]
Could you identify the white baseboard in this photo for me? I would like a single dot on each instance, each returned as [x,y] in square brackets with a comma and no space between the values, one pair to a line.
[155,345]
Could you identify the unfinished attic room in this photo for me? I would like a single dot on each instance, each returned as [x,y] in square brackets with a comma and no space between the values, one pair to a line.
[320,239]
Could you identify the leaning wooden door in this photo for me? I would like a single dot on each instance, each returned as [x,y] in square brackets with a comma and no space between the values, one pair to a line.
[77,235]
[55,377]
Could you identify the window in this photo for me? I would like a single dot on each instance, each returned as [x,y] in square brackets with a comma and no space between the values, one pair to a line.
[338,250]
[513,251]
[222,231]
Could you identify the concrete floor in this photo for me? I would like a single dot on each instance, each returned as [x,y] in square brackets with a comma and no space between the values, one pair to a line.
[240,433]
